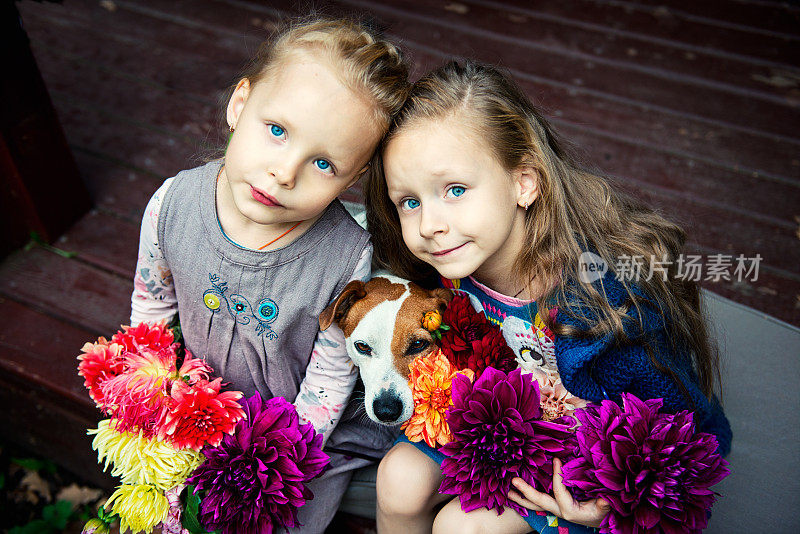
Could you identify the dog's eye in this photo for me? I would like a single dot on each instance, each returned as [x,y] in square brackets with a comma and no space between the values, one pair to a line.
[417,346]
[363,348]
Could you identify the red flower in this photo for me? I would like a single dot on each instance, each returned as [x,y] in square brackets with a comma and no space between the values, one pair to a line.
[153,336]
[199,414]
[99,362]
[472,341]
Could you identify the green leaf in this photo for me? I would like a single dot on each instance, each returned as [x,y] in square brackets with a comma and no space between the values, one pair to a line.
[34,464]
[36,239]
[189,517]
[108,517]
[58,514]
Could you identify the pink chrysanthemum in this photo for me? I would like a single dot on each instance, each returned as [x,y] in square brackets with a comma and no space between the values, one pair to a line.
[652,468]
[100,362]
[193,369]
[199,414]
[137,398]
[153,336]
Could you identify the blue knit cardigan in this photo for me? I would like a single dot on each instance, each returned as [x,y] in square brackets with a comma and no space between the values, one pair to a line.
[599,368]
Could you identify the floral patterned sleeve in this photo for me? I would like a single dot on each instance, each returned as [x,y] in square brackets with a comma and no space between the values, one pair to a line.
[331,374]
[153,296]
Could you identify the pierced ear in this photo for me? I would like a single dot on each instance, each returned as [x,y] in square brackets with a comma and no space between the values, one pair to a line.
[339,308]
[236,103]
[526,179]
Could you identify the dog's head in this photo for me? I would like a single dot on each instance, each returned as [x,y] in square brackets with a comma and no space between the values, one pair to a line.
[382,324]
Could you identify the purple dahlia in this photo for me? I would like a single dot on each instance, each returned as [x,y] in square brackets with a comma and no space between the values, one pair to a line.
[498,434]
[255,480]
[653,469]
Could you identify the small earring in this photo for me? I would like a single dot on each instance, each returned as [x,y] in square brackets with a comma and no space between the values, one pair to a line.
[232,128]
[525,206]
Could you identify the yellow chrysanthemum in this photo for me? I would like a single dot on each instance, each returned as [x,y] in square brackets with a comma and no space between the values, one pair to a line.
[140,507]
[430,381]
[139,460]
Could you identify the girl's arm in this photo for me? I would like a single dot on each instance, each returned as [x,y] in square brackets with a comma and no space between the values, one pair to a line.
[599,367]
[153,296]
[330,375]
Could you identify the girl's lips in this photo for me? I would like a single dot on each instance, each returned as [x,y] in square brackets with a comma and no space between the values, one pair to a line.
[447,251]
[260,196]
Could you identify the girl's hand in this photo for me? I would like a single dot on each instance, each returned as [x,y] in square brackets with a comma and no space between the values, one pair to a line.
[561,503]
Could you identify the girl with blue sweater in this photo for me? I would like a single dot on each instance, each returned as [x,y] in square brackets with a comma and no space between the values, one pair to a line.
[474,185]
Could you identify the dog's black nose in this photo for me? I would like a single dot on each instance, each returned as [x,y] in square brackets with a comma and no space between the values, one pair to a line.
[387,407]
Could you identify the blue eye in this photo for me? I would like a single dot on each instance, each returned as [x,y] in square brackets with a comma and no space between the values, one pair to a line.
[457,190]
[276,130]
[323,164]
[409,203]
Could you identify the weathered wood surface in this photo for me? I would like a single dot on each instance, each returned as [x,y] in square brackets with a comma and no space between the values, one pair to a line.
[691,106]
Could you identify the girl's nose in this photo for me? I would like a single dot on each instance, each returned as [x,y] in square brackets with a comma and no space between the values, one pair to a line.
[285,174]
[431,223]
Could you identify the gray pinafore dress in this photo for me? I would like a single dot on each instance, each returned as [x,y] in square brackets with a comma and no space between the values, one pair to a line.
[253,316]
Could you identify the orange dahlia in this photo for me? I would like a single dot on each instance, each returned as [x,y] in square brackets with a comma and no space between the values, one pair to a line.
[430,381]
[99,362]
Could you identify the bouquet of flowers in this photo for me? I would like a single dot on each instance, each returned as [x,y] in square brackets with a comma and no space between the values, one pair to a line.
[496,417]
[171,424]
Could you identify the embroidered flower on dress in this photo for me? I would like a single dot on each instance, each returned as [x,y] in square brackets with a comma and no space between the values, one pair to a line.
[556,401]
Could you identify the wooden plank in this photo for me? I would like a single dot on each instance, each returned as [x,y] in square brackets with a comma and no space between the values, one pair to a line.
[661,26]
[746,195]
[753,16]
[592,44]
[719,230]
[67,289]
[46,407]
[116,188]
[105,241]
[657,89]
[115,36]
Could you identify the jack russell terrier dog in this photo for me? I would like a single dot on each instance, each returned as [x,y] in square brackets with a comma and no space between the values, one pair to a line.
[382,324]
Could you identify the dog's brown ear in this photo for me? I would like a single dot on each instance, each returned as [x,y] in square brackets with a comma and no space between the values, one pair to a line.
[443,296]
[338,309]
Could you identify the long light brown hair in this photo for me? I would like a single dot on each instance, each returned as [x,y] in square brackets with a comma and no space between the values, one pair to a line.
[576,211]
